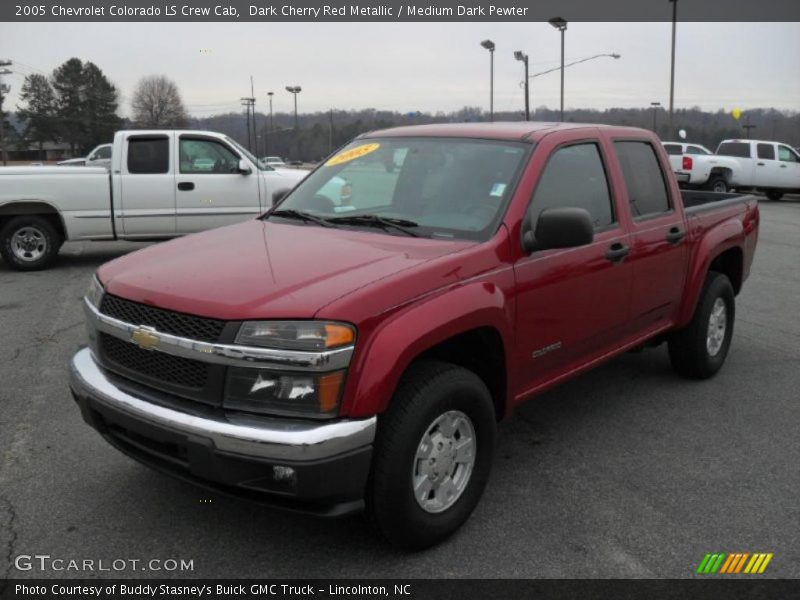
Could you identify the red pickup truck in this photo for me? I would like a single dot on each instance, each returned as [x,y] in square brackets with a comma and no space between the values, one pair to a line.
[340,354]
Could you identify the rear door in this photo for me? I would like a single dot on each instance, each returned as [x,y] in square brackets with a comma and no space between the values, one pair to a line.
[147,186]
[768,171]
[658,234]
[572,303]
[211,191]
[789,168]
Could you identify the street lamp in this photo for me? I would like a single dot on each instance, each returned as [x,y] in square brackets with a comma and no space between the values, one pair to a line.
[561,24]
[519,55]
[489,45]
[270,94]
[672,65]
[655,106]
[294,90]
[268,143]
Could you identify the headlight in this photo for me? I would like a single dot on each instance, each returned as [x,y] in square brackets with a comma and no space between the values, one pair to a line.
[95,292]
[313,395]
[296,335]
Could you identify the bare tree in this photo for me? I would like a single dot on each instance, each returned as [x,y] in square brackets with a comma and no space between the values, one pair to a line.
[157,103]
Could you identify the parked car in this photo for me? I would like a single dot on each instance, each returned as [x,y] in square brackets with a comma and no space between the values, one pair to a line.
[695,166]
[273,161]
[163,184]
[99,157]
[771,167]
[333,363]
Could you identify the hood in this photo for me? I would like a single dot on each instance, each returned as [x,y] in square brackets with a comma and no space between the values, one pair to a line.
[263,269]
[293,174]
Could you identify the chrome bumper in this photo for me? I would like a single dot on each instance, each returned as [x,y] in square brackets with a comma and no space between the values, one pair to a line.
[250,436]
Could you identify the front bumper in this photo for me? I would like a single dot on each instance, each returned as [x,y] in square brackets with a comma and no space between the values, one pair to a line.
[313,467]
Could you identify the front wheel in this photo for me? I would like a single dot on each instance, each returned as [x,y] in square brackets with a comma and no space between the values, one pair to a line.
[432,455]
[699,349]
[29,243]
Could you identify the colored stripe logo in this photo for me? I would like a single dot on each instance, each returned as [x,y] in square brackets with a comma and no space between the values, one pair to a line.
[734,563]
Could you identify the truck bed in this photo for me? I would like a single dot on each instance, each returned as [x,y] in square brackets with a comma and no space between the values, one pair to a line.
[695,201]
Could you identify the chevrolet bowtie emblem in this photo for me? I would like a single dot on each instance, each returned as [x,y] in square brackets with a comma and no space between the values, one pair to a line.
[145,338]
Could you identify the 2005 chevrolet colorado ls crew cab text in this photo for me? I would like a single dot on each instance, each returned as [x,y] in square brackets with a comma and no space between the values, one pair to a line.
[338,357]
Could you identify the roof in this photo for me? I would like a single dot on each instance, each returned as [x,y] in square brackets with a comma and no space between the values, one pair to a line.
[528,131]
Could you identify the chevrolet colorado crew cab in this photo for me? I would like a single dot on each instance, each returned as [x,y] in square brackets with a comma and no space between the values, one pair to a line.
[332,360]
[160,184]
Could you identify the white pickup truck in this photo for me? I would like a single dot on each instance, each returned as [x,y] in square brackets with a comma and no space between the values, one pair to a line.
[696,166]
[100,156]
[771,167]
[161,184]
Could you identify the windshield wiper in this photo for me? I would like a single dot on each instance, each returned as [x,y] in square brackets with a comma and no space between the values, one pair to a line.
[290,213]
[378,221]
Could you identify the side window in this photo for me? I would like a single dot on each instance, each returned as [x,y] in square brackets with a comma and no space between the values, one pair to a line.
[574,177]
[148,155]
[206,156]
[103,153]
[647,189]
[787,155]
[766,151]
[673,149]
[695,150]
[737,149]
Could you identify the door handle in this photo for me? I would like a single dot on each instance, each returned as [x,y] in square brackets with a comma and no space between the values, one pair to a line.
[617,252]
[760,164]
[675,235]
[783,166]
[186,186]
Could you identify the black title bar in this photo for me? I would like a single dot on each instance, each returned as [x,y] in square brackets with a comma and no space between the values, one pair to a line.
[396,10]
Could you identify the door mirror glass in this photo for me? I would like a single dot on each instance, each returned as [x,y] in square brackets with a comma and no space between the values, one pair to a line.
[559,228]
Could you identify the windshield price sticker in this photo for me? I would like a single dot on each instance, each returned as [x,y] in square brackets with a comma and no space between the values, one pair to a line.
[352,154]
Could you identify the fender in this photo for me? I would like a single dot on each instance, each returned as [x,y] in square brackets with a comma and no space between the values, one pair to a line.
[31,206]
[728,234]
[397,341]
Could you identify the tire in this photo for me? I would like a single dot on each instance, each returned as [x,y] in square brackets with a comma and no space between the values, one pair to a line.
[774,195]
[29,243]
[717,183]
[693,351]
[428,392]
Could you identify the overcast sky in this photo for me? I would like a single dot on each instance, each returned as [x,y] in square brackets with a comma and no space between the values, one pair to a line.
[427,67]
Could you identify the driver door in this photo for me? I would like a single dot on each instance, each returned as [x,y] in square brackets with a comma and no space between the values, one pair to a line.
[211,191]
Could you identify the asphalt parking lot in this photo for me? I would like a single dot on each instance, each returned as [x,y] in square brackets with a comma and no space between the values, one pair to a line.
[628,471]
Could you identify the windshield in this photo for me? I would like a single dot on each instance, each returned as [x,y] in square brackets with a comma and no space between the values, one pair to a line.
[434,187]
[259,163]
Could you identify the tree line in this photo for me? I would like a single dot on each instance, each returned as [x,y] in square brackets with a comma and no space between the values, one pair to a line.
[77,104]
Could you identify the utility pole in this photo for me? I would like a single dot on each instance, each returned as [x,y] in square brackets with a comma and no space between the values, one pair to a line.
[672,67]
[489,45]
[271,127]
[747,127]
[655,106]
[561,24]
[330,133]
[294,90]
[248,103]
[4,89]
[521,56]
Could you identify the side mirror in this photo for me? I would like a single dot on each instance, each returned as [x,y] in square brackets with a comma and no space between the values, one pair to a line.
[244,168]
[559,228]
[279,195]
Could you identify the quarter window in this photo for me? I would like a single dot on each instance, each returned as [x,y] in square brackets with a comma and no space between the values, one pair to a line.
[737,149]
[575,177]
[148,155]
[644,179]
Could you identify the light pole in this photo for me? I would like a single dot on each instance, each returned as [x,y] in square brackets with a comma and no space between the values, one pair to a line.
[294,90]
[519,55]
[561,24]
[489,45]
[655,106]
[268,141]
[672,65]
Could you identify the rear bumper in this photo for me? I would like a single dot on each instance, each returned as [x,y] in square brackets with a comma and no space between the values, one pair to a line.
[316,467]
